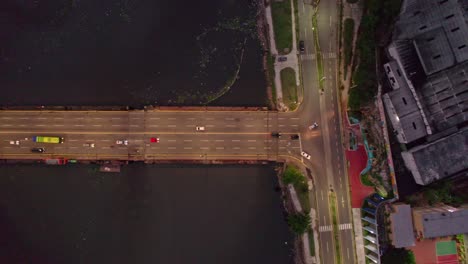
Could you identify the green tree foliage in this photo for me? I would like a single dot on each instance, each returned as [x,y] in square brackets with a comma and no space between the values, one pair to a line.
[398,255]
[292,176]
[299,223]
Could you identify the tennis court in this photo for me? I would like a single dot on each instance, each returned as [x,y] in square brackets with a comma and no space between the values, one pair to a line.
[446,252]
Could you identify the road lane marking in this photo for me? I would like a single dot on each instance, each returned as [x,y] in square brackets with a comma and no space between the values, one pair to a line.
[134,125]
[231,125]
[171,125]
[229,118]
[325,228]
[204,148]
[152,125]
[187,147]
[116,125]
[135,118]
[105,140]
[235,148]
[251,140]
[267,118]
[154,118]
[204,140]
[328,250]
[209,125]
[219,140]
[97,118]
[172,148]
[97,125]
[219,147]
[73,147]
[171,118]
[266,147]
[189,125]
[209,118]
[252,148]
[235,140]
[25,118]
[171,140]
[115,118]
[187,140]
[7,125]
[79,125]
[6,118]
[345,226]
[42,125]
[249,119]
[72,140]
[41,118]
[249,125]
[105,147]
[294,118]
[281,125]
[79,118]
[59,125]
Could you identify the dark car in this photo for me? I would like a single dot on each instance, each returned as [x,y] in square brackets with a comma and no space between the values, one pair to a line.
[294,137]
[302,46]
[38,150]
[282,58]
[275,134]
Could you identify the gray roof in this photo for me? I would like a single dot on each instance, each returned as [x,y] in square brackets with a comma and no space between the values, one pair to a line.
[439,30]
[439,159]
[445,223]
[402,225]
[445,97]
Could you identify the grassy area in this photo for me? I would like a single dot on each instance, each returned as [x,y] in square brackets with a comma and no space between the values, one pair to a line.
[311,242]
[365,179]
[293,176]
[282,25]
[271,79]
[289,88]
[336,236]
[318,53]
[348,42]
[377,14]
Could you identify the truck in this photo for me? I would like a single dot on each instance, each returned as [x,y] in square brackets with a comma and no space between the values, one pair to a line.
[43,139]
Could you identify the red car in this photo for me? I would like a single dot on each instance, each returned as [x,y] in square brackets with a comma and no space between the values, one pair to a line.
[154,140]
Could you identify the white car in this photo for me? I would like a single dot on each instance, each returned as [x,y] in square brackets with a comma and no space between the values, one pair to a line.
[314,125]
[121,142]
[14,142]
[200,128]
[91,145]
[305,155]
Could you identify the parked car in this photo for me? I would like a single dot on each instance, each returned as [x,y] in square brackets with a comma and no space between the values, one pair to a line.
[295,137]
[282,58]
[38,150]
[305,155]
[91,145]
[121,142]
[301,46]
[154,140]
[14,142]
[275,134]
[200,128]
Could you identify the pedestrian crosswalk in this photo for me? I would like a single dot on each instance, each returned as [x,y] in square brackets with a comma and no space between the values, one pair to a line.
[308,56]
[329,55]
[345,226]
[326,228]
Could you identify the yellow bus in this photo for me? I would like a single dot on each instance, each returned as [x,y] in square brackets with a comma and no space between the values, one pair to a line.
[53,140]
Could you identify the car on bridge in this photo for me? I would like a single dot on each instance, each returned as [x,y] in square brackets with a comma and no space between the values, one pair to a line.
[14,142]
[38,150]
[305,155]
[91,145]
[295,137]
[282,58]
[200,128]
[154,140]
[121,142]
[276,134]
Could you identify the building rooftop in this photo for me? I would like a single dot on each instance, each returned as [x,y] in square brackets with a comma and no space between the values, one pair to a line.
[445,222]
[445,97]
[438,29]
[438,159]
[402,226]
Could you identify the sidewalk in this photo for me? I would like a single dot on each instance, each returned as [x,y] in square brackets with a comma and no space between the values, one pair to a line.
[292,58]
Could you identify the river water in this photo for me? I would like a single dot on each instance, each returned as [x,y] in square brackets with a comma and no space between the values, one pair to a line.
[145,214]
[130,52]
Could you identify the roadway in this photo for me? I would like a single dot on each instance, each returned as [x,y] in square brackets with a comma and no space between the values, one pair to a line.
[329,163]
[227,135]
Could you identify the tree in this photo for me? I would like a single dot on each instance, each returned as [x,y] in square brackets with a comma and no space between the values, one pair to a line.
[292,176]
[299,223]
[398,255]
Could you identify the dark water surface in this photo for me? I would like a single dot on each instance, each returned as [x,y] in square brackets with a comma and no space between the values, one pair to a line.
[145,214]
[128,52]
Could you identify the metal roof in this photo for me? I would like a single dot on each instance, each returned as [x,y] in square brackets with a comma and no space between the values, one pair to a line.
[402,226]
[445,222]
